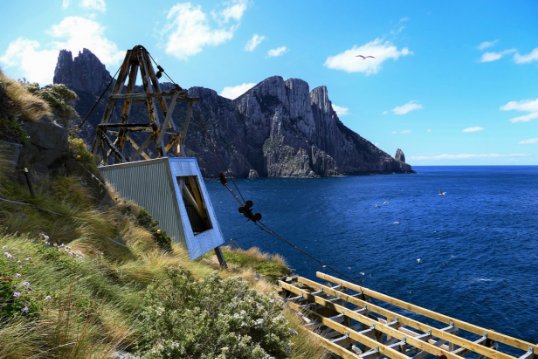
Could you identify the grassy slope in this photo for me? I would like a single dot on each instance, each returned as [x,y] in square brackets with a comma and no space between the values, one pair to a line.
[73,275]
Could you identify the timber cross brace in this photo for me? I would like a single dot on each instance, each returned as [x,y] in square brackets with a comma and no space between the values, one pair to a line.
[352,321]
[120,140]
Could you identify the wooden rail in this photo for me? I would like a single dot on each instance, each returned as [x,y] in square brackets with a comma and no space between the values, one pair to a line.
[369,330]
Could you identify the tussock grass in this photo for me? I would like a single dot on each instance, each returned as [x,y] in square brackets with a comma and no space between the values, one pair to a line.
[305,345]
[268,265]
[24,104]
[18,340]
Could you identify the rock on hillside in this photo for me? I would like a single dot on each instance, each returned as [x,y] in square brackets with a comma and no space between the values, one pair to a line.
[399,156]
[279,128]
[88,77]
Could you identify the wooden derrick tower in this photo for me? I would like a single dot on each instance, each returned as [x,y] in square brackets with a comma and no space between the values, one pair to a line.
[122,138]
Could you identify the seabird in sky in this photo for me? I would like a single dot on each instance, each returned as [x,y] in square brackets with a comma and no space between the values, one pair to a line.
[365,57]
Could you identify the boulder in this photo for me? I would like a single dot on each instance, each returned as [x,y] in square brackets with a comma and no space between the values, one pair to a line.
[400,156]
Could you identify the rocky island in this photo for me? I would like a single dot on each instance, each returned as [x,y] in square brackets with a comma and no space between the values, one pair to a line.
[279,128]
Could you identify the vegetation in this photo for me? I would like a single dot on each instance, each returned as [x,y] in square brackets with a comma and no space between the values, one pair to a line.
[211,318]
[18,104]
[271,266]
[79,279]
[59,98]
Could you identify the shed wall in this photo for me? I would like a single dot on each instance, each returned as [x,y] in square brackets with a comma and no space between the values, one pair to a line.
[149,184]
[153,185]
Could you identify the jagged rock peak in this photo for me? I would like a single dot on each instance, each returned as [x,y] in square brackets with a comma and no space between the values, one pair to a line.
[320,97]
[85,72]
[200,91]
[400,156]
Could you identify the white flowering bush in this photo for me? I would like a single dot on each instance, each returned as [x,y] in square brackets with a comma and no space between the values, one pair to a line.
[211,318]
[16,297]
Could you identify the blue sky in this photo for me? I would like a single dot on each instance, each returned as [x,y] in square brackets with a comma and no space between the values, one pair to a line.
[452,82]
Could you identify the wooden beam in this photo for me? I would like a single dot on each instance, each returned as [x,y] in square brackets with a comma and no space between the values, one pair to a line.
[356,336]
[168,119]
[439,333]
[491,334]
[117,86]
[383,328]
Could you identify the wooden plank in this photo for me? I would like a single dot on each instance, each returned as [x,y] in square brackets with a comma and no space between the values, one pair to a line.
[150,105]
[327,344]
[491,334]
[190,198]
[383,328]
[439,333]
[126,109]
[142,96]
[155,83]
[193,184]
[139,149]
[356,336]
[185,128]
[168,119]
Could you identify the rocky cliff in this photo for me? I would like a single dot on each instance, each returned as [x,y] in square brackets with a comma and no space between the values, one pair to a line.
[279,128]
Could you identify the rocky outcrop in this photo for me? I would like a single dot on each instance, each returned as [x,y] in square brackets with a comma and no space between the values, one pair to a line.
[85,72]
[88,77]
[399,155]
[46,149]
[279,128]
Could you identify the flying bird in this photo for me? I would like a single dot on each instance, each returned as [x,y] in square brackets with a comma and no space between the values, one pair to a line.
[365,57]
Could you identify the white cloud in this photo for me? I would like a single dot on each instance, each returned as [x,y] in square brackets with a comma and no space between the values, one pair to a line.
[465,156]
[494,56]
[35,64]
[487,44]
[529,141]
[279,51]
[75,33]
[189,29]
[529,106]
[233,92]
[340,110]
[403,132]
[234,11]
[381,50]
[405,108]
[98,5]
[36,61]
[65,4]
[525,59]
[523,105]
[473,129]
[525,118]
[253,43]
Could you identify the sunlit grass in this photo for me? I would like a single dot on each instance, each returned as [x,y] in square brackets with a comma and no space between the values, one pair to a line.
[25,104]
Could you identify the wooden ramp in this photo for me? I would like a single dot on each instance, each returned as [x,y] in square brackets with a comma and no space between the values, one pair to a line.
[352,321]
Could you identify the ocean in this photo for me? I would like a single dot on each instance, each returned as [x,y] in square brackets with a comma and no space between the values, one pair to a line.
[471,254]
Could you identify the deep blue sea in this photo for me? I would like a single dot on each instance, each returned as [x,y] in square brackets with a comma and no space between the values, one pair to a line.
[471,254]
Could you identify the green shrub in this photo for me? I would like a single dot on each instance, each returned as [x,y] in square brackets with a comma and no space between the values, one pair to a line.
[59,98]
[144,219]
[211,318]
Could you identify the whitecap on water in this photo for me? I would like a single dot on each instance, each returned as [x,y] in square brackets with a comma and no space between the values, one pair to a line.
[482,279]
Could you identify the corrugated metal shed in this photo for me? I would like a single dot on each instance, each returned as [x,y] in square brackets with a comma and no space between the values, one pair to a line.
[172,190]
